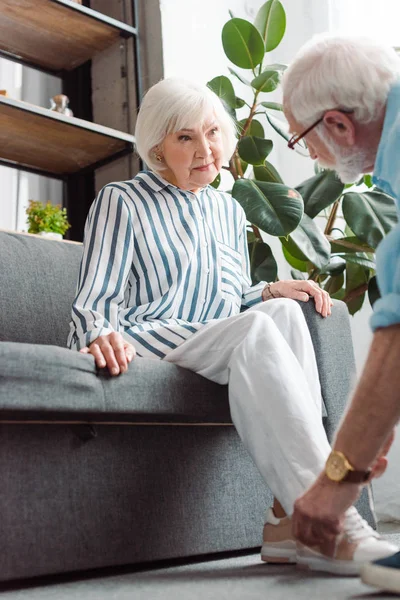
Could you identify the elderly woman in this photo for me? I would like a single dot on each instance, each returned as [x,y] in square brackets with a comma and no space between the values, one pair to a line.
[165,273]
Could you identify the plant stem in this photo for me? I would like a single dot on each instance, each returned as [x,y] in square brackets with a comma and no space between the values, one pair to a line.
[256,232]
[239,169]
[313,275]
[350,245]
[332,217]
[232,168]
[250,117]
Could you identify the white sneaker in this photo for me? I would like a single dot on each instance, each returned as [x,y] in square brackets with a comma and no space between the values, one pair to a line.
[279,545]
[358,544]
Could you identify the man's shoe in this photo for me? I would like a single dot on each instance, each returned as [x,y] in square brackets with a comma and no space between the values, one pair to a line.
[279,545]
[358,544]
[383,574]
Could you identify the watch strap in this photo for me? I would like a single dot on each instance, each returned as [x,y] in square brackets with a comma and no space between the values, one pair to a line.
[358,476]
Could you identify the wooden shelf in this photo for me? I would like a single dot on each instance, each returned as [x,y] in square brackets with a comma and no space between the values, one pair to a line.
[48,143]
[55,35]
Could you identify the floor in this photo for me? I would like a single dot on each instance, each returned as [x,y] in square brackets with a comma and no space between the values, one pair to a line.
[241,577]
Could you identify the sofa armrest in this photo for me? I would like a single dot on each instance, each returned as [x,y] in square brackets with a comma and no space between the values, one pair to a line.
[335,358]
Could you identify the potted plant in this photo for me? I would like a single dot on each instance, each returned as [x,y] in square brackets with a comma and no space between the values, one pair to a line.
[48,219]
[340,257]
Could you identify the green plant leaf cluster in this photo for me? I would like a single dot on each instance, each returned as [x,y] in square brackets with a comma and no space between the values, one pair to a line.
[316,245]
[46,217]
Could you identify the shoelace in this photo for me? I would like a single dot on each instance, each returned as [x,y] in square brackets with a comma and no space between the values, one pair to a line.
[356,528]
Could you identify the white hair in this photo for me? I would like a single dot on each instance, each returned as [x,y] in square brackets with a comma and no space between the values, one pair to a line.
[174,104]
[338,71]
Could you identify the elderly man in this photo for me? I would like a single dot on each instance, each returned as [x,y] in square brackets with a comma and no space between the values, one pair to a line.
[342,95]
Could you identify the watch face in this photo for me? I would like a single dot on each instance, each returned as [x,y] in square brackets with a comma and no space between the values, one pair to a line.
[335,467]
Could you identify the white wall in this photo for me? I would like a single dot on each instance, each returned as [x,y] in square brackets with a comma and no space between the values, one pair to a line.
[192,48]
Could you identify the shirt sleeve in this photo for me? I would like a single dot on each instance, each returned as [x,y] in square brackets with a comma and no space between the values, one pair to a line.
[106,261]
[387,308]
[251,294]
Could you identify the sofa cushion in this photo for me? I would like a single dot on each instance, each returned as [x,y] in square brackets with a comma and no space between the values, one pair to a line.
[38,279]
[40,383]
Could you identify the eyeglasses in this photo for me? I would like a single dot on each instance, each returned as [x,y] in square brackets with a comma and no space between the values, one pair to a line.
[296,138]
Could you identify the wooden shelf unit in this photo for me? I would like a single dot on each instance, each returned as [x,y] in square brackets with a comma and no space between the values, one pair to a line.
[48,143]
[55,35]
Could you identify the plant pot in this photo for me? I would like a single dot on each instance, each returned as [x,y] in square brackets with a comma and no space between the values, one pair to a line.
[51,235]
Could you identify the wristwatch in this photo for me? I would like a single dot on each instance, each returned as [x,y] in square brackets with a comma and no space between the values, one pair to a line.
[338,468]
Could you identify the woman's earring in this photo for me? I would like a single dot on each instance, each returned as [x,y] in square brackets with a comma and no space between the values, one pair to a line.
[158,157]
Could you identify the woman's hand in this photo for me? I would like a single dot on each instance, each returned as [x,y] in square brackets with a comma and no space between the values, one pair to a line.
[111,351]
[302,290]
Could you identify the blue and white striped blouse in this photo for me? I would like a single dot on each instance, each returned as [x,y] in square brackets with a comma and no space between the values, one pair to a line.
[159,263]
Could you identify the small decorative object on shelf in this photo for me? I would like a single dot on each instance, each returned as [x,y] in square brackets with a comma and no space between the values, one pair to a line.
[3,93]
[48,220]
[59,103]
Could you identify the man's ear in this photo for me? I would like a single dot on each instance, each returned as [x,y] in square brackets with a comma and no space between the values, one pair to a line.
[340,127]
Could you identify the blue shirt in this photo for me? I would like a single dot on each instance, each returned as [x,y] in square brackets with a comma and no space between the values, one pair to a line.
[159,263]
[387,177]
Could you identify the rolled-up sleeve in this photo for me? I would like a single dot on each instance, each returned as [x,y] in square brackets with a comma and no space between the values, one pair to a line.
[387,308]
[106,262]
[251,294]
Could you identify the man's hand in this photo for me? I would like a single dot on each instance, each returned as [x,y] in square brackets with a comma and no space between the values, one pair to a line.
[302,290]
[111,351]
[319,514]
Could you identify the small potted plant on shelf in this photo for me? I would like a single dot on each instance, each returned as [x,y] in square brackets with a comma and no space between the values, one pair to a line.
[48,220]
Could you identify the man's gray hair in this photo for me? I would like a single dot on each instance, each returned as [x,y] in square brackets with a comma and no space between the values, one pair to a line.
[337,71]
[174,104]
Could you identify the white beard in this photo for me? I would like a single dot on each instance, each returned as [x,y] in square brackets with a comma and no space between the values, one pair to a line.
[349,164]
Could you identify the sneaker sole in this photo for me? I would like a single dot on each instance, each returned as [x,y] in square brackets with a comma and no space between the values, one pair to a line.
[384,578]
[327,565]
[276,554]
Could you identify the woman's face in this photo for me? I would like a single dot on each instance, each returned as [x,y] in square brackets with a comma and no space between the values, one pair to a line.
[193,157]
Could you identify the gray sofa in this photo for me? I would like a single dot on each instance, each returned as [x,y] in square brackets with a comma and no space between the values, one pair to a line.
[98,471]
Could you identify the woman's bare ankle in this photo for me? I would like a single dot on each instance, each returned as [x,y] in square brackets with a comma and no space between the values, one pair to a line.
[278,510]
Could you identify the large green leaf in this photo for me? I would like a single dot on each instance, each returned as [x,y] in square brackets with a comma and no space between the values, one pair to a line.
[320,191]
[311,242]
[371,215]
[217,181]
[268,81]
[373,290]
[267,172]
[358,258]
[271,23]
[367,180]
[276,67]
[356,276]
[296,274]
[350,244]
[254,150]
[279,126]
[242,43]
[273,207]
[240,77]
[273,105]
[334,284]
[296,263]
[255,128]
[222,86]
[335,266]
[262,262]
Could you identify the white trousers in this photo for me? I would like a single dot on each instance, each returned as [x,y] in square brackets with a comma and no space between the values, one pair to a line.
[266,357]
